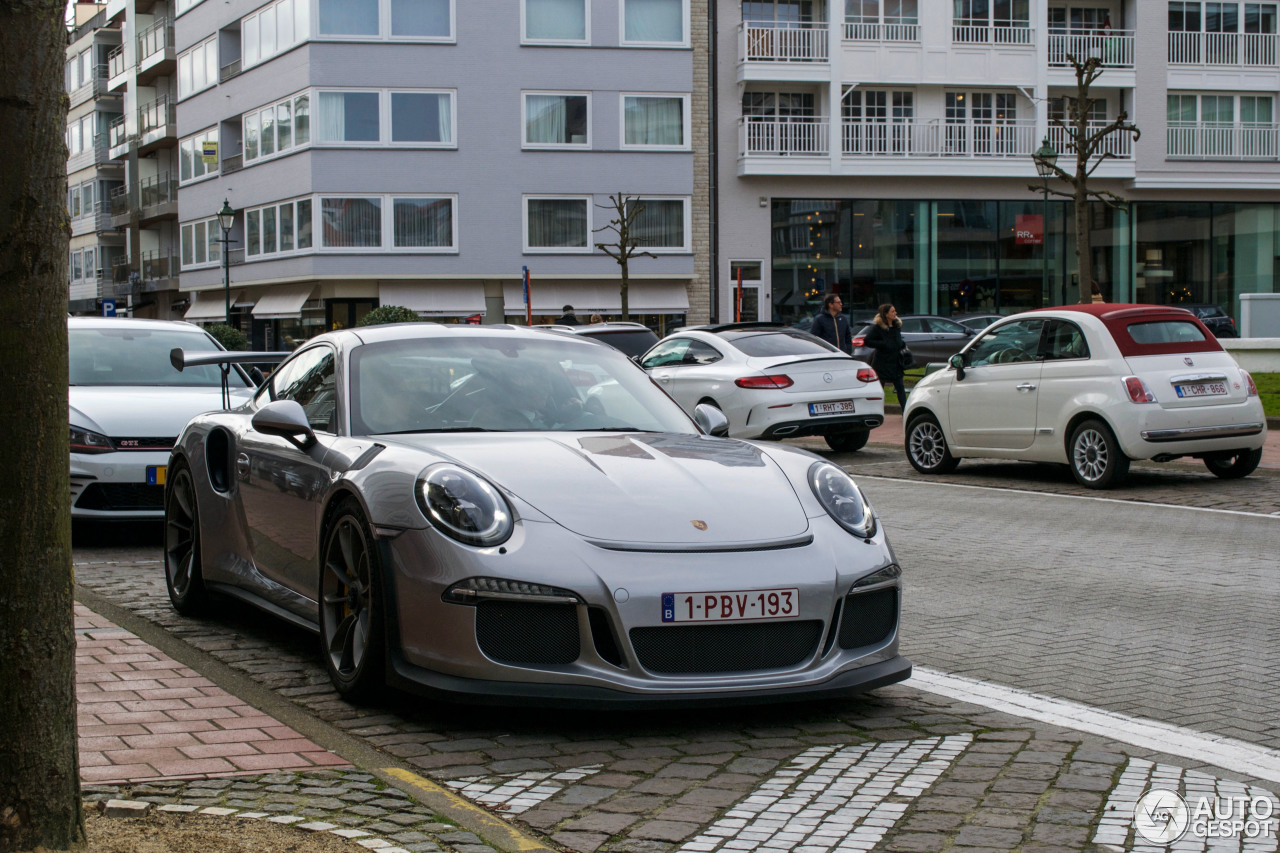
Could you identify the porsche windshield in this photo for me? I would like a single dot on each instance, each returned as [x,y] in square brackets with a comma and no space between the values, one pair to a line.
[134,356]
[503,383]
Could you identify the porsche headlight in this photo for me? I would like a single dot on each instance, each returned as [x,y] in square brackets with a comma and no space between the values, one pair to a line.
[463,506]
[88,441]
[842,499]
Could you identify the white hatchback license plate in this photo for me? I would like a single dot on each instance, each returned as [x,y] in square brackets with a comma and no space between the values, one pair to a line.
[835,407]
[1202,389]
[735,606]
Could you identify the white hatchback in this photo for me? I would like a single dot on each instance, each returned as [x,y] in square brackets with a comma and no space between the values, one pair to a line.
[1093,386]
[127,405]
[770,381]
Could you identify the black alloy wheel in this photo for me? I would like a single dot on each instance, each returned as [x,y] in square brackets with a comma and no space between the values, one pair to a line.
[927,449]
[182,573]
[1234,465]
[848,442]
[351,616]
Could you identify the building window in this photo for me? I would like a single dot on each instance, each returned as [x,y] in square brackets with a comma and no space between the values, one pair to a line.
[557,21]
[661,224]
[422,19]
[191,163]
[423,223]
[1001,21]
[552,119]
[557,224]
[201,243]
[655,121]
[278,228]
[348,117]
[658,22]
[1238,127]
[348,17]
[277,128]
[273,30]
[198,68]
[351,223]
[422,117]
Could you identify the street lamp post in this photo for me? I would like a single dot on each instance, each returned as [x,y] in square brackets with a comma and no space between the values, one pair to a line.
[1045,158]
[226,217]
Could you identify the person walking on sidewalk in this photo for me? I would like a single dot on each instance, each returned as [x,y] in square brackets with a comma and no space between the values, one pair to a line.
[885,338]
[832,326]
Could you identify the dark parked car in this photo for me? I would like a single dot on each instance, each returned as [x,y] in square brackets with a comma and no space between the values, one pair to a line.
[632,338]
[930,338]
[1218,320]
[977,322]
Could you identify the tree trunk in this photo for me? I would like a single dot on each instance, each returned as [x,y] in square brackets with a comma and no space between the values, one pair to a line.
[1084,252]
[39,787]
[626,312]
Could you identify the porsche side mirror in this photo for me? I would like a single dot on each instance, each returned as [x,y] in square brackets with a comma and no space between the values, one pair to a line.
[957,362]
[710,420]
[286,419]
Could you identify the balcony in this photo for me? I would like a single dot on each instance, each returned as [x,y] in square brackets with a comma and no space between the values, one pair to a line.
[234,163]
[1221,141]
[1250,50]
[1118,145]
[157,198]
[97,154]
[770,51]
[936,138]
[228,71]
[157,268]
[1011,33]
[117,138]
[906,30]
[116,68]
[806,136]
[156,55]
[1113,49]
[157,125]
[121,208]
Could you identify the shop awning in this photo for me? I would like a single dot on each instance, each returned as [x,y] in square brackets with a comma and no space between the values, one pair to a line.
[209,305]
[282,302]
[643,297]
[434,299]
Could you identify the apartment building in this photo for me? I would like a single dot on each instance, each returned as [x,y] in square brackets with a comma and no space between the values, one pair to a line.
[92,176]
[425,153]
[882,149]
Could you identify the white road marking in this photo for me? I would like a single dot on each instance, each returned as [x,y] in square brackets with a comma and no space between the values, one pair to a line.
[1116,827]
[514,793]
[832,798]
[1203,747]
[1269,516]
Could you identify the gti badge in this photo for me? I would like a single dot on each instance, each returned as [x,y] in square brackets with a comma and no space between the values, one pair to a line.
[827,378]
[701,525]
[1188,360]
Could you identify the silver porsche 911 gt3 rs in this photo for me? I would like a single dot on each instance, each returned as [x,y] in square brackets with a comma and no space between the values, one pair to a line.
[505,514]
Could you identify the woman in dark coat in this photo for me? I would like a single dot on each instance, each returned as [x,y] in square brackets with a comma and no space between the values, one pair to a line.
[885,338]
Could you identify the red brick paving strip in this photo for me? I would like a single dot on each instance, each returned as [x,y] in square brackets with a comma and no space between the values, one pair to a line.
[145,716]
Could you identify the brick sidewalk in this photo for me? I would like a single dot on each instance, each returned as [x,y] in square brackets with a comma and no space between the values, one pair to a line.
[144,716]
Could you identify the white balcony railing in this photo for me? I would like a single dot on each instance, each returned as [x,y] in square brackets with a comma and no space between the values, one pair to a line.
[936,138]
[1119,145]
[1221,141]
[783,43]
[882,32]
[1114,49]
[1251,49]
[797,136]
[1017,33]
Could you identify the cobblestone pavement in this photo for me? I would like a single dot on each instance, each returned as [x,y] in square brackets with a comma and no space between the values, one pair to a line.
[897,770]
[352,804]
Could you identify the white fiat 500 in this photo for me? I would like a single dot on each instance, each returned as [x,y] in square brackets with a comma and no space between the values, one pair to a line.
[1094,386]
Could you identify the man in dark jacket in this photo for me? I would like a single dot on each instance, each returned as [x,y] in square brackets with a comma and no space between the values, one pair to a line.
[833,326]
[569,318]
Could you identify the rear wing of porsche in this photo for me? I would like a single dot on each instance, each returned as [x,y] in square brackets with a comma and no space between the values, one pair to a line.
[224,358]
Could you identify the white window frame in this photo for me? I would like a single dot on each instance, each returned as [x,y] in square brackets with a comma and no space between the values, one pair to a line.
[555,250]
[275,206]
[622,29]
[384,27]
[213,237]
[524,39]
[686,119]
[388,222]
[551,146]
[294,147]
[389,228]
[299,37]
[189,55]
[195,141]
[687,237]
[384,119]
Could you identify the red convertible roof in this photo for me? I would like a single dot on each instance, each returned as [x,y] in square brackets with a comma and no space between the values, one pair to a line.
[1118,317]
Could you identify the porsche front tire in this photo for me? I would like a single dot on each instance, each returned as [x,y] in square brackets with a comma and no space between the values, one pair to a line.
[352,631]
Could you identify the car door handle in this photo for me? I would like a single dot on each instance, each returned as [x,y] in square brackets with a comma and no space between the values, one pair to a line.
[242,466]
[1026,386]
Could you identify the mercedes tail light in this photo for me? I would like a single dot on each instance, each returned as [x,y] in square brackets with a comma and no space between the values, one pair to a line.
[1138,390]
[1253,389]
[777,380]
[866,374]
[860,341]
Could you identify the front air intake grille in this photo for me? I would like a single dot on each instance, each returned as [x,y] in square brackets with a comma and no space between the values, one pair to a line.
[121,497]
[869,618]
[528,633]
[710,649]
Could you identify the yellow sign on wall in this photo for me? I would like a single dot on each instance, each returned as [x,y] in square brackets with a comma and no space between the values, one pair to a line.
[209,153]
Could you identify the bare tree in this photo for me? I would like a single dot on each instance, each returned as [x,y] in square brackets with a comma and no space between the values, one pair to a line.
[1088,145]
[40,785]
[626,246]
